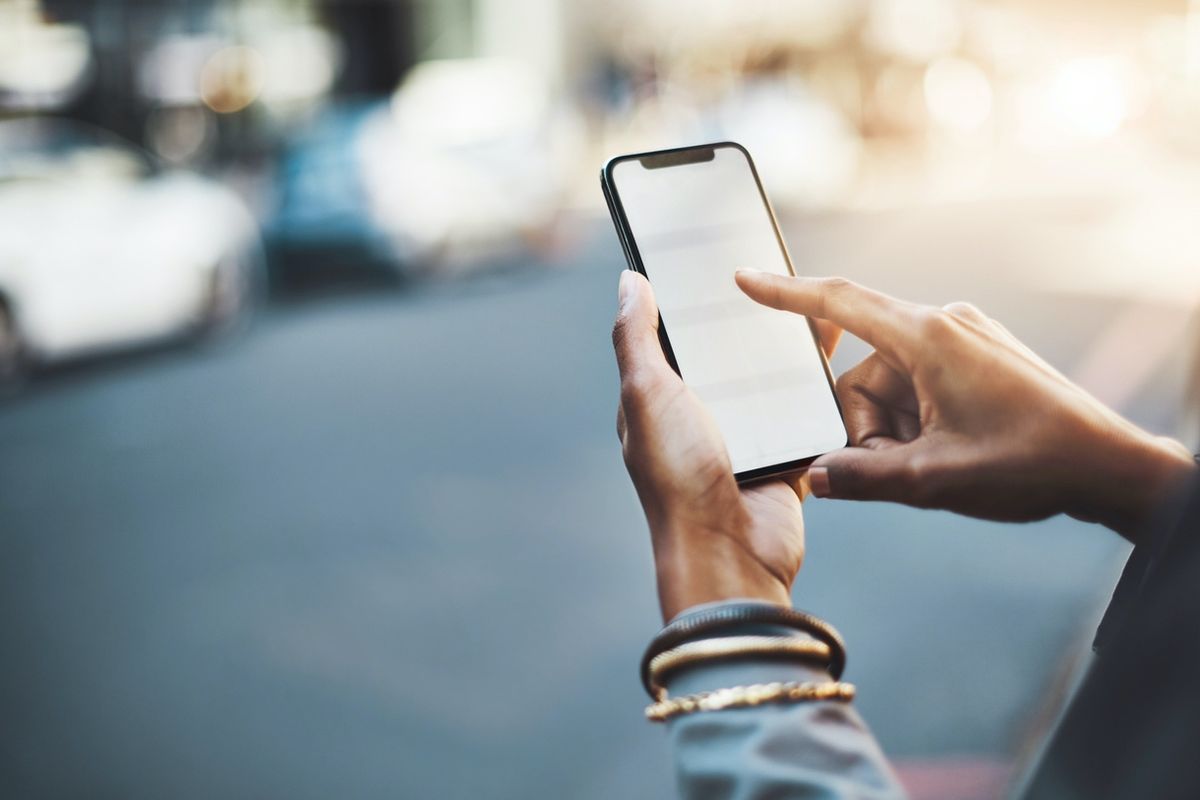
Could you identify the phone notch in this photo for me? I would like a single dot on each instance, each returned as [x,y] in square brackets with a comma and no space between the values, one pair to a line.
[693,155]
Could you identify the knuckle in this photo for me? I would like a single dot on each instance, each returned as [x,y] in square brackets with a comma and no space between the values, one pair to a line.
[831,295]
[636,385]
[838,285]
[853,380]
[917,481]
[934,323]
[838,289]
[959,308]
[776,297]
[963,310]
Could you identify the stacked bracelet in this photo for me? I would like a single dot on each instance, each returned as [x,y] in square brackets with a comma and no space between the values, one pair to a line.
[721,619]
[749,696]
[789,647]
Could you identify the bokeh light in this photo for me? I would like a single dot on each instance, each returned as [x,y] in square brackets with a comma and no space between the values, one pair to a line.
[958,94]
[1090,96]
[42,64]
[232,79]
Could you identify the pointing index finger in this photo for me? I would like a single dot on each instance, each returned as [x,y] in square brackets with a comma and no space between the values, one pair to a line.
[881,321]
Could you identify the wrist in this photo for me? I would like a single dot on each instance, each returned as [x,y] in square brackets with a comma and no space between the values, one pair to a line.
[1142,477]
[698,565]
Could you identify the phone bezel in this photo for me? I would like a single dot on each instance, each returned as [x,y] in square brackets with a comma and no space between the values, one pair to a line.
[633,258]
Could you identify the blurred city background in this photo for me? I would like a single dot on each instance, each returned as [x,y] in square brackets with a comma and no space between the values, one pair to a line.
[309,484]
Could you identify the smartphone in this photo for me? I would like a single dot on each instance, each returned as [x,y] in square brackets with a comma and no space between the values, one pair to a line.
[688,218]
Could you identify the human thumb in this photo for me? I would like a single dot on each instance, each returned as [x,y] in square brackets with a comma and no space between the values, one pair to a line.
[860,473]
[635,332]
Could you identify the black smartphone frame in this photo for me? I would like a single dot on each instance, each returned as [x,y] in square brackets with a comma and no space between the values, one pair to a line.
[690,155]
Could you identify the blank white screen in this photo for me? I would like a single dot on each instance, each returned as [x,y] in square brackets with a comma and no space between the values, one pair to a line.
[756,369]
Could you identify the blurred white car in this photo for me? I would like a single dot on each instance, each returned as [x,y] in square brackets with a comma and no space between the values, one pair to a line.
[100,248]
[475,158]
[469,164]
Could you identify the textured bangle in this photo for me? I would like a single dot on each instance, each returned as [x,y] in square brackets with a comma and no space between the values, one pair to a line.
[736,615]
[749,696]
[793,647]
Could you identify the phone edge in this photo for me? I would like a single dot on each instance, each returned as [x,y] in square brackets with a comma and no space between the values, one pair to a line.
[616,212]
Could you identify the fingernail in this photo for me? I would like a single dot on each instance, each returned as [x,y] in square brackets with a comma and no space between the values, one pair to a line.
[625,288]
[748,271]
[818,481]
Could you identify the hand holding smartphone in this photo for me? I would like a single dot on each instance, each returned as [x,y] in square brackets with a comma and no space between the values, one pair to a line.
[688,219]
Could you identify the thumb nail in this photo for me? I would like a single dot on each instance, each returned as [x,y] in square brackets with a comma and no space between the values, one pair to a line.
[625,289]
[818,481]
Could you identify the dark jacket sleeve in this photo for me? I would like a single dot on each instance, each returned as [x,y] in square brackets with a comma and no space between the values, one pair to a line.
[1146,563]
[1131,729]
[777,751]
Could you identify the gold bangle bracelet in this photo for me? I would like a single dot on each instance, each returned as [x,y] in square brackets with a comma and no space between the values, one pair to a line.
[796,647]
[749,696]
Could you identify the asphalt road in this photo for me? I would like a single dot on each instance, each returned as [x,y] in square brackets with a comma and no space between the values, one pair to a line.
[384,546]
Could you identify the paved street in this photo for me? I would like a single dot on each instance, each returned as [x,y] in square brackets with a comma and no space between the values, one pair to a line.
[385,547]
